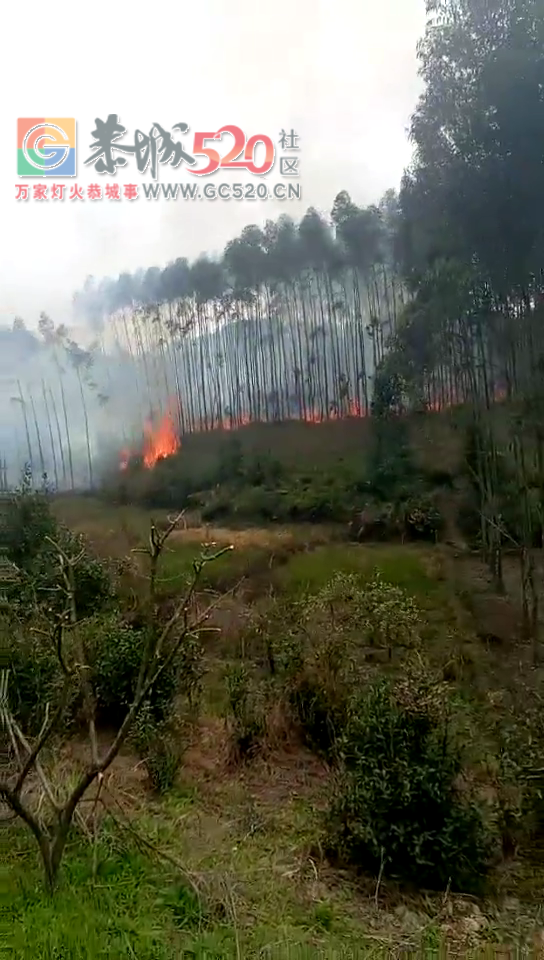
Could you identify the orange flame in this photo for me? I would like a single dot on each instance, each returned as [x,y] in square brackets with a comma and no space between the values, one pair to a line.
[161,441]
[353,408]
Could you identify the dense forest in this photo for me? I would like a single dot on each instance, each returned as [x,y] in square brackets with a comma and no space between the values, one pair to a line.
[437,287]
[290,323]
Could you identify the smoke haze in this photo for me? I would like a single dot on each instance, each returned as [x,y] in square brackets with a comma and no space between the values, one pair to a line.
[342,75]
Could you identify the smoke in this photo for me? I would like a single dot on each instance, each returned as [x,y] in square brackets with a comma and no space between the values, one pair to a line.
[343,75]
[47,392]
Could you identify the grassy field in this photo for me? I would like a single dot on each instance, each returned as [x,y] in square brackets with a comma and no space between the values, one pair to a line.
[228,864]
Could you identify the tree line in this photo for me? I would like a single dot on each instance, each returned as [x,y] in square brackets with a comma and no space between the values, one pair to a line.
[433,295]
[291,321]
[471,249]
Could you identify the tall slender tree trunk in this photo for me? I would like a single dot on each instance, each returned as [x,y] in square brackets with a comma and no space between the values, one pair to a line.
[87,435]
[59,436]
[25,419]
[51,440]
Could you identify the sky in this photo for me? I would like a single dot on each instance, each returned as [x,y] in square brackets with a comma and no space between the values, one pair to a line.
[342,75]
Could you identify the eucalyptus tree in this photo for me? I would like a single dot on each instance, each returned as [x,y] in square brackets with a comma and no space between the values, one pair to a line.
[53,338]
[208,285]
[272,329]
[285,260]
[245,262]
[81,361]
[359,233]
[469,201]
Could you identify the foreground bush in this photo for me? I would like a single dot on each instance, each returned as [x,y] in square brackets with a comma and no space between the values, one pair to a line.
[37,599]
[115,653]
[161,745]
[398,810]
[34,540]
[28,524]
[34,675]
[93,581]
[246,712]
[318,648]
[77,662]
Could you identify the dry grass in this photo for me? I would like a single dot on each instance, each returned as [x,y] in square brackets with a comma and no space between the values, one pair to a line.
[115,530]
[270,538]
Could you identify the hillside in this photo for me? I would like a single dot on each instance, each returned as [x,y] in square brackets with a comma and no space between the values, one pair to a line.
[227,858]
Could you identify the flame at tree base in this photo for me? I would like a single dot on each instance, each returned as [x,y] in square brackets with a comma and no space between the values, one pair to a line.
[163,440]
[160,441]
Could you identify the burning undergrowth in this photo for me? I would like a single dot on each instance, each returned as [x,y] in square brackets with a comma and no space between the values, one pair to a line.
[255,470]
[161,439]
[162,436]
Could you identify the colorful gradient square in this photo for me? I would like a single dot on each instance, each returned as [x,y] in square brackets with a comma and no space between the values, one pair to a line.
[46,147]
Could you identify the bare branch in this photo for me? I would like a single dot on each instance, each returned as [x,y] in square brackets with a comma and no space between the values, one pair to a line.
[47,730]
[67,566]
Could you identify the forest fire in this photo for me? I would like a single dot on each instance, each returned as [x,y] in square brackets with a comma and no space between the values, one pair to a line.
[160,441]
[163,439]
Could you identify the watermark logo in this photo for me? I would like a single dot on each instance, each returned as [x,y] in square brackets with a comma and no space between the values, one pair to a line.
[46,147]
[159,147]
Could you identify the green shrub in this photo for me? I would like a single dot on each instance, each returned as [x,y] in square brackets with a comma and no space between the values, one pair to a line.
[392,471]
[94,583]
[415,517]
[162,761]
[161,747]
[28,523]
[518,776]
[246,710]
[270,637]
[377,613]
[259,496]
[257,503]
[317,504]
[190,671]
[34,677]
[217,507]
[311,655]
[263,470]
[314,647]
[231,461]
[398,807]
[422,519]
[378,521]
[42,584]
[115,654]
[320,705]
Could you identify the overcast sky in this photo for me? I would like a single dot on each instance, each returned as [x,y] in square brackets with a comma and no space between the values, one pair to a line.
[342,73]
